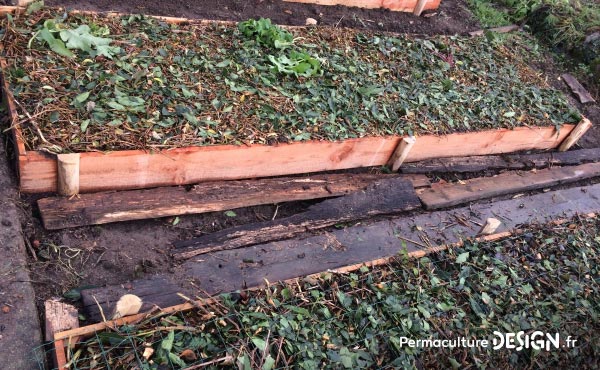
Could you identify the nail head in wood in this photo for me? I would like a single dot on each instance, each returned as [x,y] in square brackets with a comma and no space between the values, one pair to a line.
[68,173]
[401,152]
[575,135]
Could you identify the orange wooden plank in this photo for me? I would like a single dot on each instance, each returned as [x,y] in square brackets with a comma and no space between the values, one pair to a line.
[394,5]
[134,169]
[59,354]
[139,169]
[487,142]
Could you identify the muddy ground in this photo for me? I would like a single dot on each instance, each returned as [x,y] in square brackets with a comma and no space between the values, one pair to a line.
[117,253]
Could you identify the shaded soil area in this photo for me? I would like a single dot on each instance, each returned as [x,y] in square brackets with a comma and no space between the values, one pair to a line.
[452,16]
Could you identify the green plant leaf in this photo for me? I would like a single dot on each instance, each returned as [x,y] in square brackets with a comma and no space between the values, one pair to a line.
[79,99]
[34,7]
[259,343]
[269,363]
[167,343]
[230,214]
[55,44]
[462,258]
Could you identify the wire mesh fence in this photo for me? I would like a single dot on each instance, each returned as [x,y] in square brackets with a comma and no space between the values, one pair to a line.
[546,279]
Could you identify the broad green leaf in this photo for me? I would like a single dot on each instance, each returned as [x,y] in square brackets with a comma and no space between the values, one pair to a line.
[81,97]
[34,7]
[486,298]
[269,363]
[244,362]
[230,214]
[462,258]
[115,105]
[84,125]
[55,44]
[259,343]
[176,360]
[167,343]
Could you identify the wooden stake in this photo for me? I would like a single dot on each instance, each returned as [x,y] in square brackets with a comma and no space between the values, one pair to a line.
[59,354]
[419,7]
[59,317]
[68,174]
[401,152]
[575,135]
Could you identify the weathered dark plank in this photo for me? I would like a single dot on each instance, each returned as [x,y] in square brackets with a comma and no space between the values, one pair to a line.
[153,291]
[499,162]
[382,197]
[503,29]
[230,270]
[448,195]
[577,89]
[100,208]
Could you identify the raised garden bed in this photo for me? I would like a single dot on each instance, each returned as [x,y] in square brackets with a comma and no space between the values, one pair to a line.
[149,102]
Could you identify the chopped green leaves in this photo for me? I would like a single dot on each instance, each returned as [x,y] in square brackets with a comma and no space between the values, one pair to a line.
[297,63]
[210,84]
[266,33]
[56,34]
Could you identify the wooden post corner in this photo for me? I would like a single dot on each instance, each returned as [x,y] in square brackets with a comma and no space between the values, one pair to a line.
[401,152]
[68,173]
[419,7]
[575,135]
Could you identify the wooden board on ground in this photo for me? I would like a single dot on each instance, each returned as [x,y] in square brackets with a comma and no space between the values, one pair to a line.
[136,169]
[101,208]
[154,291]
[227,271]
[500,162]
[59,317]
[394,5]
[503,29]
[451,194]
[577,89]
[387,196]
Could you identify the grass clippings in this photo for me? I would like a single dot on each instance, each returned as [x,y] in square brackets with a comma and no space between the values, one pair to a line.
[98,83]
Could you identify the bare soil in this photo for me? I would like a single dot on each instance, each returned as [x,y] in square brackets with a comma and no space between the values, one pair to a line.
[452,17]
[116,253]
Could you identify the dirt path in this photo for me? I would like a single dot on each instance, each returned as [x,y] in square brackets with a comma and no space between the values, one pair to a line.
[19,325]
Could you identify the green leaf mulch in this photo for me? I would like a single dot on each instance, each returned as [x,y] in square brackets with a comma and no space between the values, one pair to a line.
[545,279]
[105,83]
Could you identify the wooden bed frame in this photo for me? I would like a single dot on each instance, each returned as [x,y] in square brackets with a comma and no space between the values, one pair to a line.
[412,6]
[137,169]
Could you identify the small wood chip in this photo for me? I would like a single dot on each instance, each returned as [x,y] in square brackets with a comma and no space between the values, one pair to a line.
[490,226]
[128,304]
[311,22]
